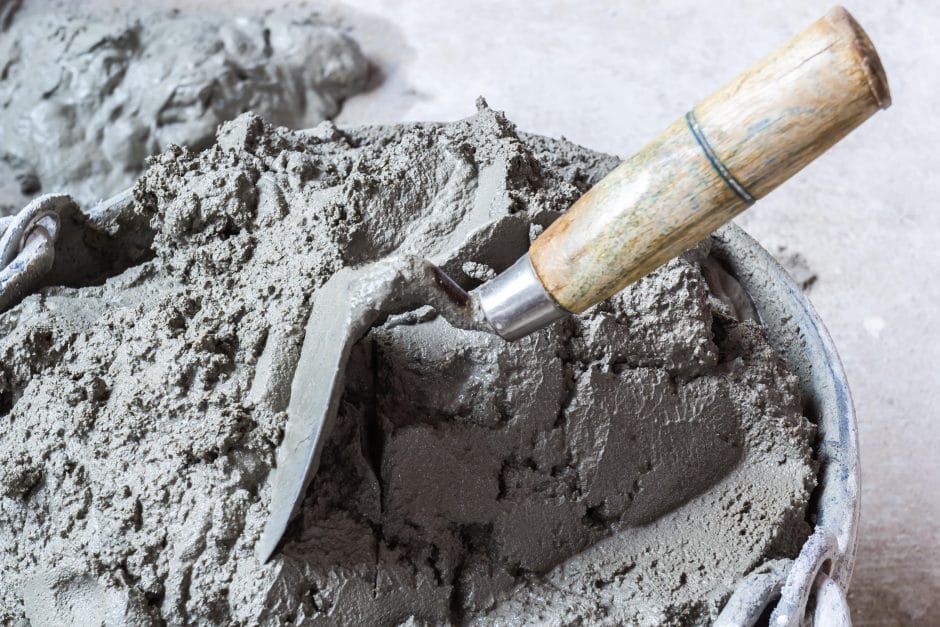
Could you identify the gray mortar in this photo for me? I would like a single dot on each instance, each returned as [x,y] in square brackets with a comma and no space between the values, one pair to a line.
[626,466]
[86,94]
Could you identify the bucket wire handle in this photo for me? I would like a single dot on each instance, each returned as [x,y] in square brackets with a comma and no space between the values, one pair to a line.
[806,577]
[752,596]
[42,212]
[27,246]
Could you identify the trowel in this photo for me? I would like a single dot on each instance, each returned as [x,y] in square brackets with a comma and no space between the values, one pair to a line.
[729,150]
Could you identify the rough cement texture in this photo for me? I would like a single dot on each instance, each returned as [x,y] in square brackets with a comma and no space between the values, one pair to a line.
[87,93]
[626,466]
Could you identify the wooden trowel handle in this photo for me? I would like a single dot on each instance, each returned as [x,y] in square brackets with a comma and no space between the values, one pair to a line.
[731,149]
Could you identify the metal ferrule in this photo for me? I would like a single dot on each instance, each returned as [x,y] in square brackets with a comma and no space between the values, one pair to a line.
[516,303]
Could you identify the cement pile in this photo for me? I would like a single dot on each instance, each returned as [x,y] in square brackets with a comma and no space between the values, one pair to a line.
[86,94]
[626,466]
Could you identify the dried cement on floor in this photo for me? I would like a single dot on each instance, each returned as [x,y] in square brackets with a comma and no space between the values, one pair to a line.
[87,94]
[630,465]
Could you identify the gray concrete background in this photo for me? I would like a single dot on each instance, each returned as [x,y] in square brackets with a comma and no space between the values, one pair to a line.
[611,74]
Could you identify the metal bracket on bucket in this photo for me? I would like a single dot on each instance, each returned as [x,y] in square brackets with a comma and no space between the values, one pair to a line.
[27,246]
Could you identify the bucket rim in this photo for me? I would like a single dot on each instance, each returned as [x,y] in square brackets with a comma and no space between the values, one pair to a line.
[795,330]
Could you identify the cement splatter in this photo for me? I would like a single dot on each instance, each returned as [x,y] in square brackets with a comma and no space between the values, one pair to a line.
[86,94]
[625,466]
[796,266]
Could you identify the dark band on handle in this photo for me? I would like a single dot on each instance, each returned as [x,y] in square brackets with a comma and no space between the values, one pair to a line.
[713,159]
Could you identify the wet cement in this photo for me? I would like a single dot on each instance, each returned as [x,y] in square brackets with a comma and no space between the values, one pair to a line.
[87,94]
[629,465]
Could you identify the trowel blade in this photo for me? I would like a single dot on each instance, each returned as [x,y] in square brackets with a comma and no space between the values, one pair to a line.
[344,309]
[332,329]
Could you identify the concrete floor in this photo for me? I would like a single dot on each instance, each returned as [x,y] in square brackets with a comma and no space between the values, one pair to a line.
[610,75]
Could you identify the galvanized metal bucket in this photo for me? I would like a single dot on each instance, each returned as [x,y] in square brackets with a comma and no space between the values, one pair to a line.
[820,576]
[823,570]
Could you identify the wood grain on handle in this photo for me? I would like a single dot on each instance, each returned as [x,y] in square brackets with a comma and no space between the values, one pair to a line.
[734,147]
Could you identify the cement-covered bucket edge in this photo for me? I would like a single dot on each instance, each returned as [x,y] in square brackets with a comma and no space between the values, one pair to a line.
[795,330]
